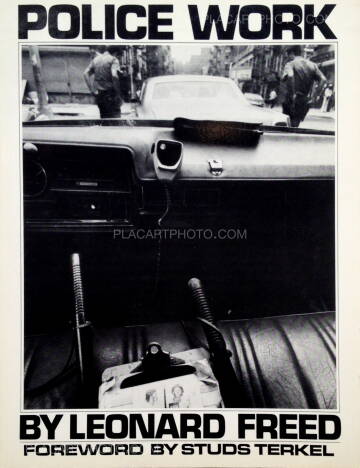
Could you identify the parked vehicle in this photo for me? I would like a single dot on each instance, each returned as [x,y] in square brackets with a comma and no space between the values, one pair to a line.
[201,97]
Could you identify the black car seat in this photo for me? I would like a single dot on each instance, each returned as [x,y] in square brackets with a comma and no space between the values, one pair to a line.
[283,362]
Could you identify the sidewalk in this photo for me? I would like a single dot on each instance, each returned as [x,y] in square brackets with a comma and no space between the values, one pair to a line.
[76,111]
[317,113]
[313,112]
[89,111]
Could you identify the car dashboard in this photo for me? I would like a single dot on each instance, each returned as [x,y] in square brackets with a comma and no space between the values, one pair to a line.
[256,222]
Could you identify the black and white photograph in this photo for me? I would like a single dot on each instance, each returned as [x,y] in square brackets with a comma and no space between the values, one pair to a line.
[179,226]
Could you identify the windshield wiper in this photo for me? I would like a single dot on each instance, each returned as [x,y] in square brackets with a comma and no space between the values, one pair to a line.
[302,131]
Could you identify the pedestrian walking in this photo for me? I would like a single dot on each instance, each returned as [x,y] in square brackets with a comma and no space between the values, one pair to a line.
[124,83]
[102,79]
[297,83]
[325,107]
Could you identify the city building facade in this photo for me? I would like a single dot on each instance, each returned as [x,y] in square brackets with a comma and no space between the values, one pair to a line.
[258,68]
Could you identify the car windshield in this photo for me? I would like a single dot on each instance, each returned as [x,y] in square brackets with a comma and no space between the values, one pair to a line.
[196,90]
[252,83]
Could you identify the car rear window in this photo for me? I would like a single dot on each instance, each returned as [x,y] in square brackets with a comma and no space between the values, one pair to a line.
[194,90]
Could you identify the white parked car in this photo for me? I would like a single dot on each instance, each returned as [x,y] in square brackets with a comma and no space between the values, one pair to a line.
[201,97]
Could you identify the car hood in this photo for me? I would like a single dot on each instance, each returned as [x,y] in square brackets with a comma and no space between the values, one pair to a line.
[203,110]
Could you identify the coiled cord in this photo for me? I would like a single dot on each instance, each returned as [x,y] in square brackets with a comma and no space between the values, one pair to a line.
[214,336]
[83,334]
[233,392]
[78,291]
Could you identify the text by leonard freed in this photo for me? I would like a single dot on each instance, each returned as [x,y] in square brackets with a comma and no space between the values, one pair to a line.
[179,433]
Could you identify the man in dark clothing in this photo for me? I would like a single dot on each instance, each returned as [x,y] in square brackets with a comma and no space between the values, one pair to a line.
[105,86]
[124,83]
[297,82]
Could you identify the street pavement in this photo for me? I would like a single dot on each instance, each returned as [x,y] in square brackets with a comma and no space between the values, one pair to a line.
[316,119]
[319,120]
[75,111]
